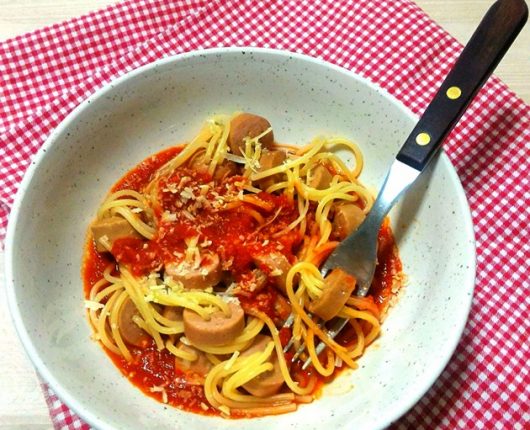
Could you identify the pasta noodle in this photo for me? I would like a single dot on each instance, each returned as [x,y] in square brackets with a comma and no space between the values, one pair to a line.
[199,255]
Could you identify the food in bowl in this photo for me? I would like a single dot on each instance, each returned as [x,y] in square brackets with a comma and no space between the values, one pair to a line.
[201,253]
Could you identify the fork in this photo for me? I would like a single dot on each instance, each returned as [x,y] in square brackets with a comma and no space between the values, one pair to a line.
[357,254]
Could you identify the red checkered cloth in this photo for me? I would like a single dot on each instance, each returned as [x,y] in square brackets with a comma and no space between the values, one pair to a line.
[45,74]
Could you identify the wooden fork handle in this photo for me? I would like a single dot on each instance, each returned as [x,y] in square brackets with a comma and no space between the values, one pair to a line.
[490,41]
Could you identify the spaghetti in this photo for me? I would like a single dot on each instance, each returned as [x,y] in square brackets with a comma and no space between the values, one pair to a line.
[200,253]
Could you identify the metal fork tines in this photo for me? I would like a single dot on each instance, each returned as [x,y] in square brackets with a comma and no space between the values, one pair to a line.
[332,332]
[288,323]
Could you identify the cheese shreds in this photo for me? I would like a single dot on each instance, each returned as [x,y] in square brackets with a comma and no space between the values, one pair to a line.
[188,215]
[168,216]
[192,253]
[277,272]
[157,389]
[187,194]
[94,306]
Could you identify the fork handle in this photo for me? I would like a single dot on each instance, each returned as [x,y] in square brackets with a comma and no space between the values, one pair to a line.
[490,41]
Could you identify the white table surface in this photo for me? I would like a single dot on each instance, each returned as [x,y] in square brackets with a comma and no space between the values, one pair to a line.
[22,404]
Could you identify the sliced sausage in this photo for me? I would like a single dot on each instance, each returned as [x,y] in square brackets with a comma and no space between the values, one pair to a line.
[172,313]
[218,330]
[195,370]
[198,162]
[248,125]
[276,266]
[268,383]
[338,286]
[268,160]
[111,228]
[226,169]
[207,275]
[319,177]
[346,220]
[129,330]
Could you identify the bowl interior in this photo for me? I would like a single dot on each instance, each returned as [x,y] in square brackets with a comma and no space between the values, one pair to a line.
[165,104]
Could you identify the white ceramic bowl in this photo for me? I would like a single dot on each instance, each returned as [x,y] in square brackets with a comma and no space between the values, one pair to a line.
[165,103]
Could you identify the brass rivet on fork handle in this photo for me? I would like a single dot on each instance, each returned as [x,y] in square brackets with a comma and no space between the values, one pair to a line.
[498,29]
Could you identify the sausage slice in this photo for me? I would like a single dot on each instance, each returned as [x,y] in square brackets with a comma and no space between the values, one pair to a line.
[199,162]
[320,178]
[270,382]
[114,227]
[173,313]
[276,266]
[226,168]
[207,275]
[129,330]
[338,286]
[218,330]
[346,220]
[248,125]
[268,160]
[195,370]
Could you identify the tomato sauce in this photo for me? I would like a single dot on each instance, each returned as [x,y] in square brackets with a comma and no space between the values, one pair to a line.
[388,267]
[140,176]
[236,236]
[154,372]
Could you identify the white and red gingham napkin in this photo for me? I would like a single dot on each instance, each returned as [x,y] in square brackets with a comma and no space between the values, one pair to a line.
[45,74]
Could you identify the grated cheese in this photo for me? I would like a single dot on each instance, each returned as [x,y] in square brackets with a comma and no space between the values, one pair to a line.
[188,215]
[187,194]
[192,253]
[206,243]
[93,306]
[157,389]
[229,299]
[168,216]
[171,188]
[184,181]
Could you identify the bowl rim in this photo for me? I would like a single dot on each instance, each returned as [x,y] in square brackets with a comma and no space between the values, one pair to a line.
[64,395]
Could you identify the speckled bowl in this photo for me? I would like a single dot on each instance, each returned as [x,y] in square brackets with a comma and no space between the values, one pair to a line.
[164,103]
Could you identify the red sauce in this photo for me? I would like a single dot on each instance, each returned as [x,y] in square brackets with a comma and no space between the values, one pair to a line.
[139,177]
[388,267]
[236,238]
[93,266]
[152,368]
